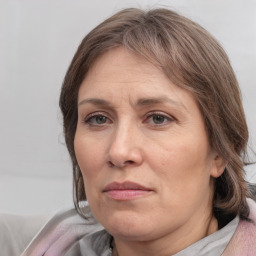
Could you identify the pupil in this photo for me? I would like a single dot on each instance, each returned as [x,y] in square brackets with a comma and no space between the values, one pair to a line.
[100,119]
[158,119]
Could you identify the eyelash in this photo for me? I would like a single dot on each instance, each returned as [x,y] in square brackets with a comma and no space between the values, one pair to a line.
[89,119]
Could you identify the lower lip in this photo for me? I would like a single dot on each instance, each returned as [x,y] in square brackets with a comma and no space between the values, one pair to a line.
[124,195]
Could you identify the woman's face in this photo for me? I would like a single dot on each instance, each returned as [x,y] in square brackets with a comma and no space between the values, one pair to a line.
[143,150]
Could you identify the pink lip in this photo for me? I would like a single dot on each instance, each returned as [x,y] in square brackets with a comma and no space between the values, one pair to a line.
[126,190]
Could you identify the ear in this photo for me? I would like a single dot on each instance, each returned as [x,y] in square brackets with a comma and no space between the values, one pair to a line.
[218,167]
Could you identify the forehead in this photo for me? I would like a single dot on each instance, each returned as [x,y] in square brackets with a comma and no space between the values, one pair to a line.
[120,74]
[125,65]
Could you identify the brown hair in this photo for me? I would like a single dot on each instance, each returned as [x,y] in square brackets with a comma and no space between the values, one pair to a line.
[191,58]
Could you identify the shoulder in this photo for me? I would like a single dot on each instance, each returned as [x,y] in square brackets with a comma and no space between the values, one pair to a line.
[243,243]
[62,232]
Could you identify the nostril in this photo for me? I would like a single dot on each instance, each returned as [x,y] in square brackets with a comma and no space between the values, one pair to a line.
[110,164]
[129,162]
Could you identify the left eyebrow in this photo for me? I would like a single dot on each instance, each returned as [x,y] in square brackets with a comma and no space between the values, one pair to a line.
[158,100]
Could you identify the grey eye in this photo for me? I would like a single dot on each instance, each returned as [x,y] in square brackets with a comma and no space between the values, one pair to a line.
[158,119]
[100,119]
[97,120]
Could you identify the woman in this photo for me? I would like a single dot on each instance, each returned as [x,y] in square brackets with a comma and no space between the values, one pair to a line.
[157,135]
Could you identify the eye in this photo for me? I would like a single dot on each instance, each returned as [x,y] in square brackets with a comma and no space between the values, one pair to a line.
[97,119]
[158,119]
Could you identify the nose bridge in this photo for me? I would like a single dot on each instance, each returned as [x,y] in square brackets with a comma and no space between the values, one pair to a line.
[122,137]
[124,147]
[123,132]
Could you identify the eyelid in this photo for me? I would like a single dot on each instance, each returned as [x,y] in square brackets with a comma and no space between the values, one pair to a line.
[160,113]
[96,113]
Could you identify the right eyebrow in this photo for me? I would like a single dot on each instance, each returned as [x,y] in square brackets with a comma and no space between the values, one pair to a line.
[94,101]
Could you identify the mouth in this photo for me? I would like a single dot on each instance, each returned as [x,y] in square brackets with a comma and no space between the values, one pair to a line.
[126,191]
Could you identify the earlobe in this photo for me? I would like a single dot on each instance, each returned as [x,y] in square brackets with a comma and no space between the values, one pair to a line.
[219,166]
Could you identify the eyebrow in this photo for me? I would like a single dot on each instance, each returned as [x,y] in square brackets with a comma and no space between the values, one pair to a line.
[140,102]
[158,100]
[95,101]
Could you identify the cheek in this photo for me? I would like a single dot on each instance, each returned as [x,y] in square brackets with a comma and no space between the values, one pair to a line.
[182,162]
[88,160]
[87,155]
[175,155]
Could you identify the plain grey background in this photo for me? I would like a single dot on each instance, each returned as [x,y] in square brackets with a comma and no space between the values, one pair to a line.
[38,38]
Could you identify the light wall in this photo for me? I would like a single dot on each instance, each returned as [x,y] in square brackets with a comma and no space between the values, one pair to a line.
[37,41]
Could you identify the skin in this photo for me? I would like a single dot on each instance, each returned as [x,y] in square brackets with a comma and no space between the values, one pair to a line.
[142,128]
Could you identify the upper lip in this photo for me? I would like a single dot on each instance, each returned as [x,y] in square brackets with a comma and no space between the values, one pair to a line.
[127,185]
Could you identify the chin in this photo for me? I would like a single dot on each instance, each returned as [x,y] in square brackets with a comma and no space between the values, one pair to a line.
[129,225]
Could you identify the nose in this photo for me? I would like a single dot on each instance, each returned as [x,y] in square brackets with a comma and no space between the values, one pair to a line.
[125,148]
